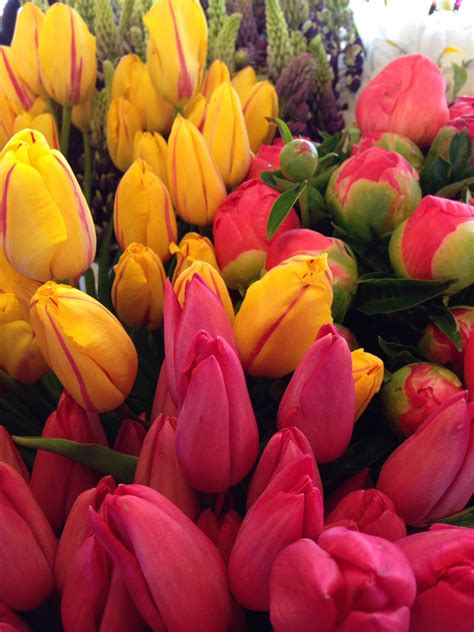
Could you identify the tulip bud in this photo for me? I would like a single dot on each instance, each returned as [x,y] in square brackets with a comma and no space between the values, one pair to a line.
[163,402]
[9,622]
[391,142]
[367,373]
[217,74]
[267,158]
[260,103]
[226,135]
[424,489]
[281,315]
[123,122]
[285,447]
[177,48]
[48,229]
[441,559]
[141,526]
[10,455]
[299,160]
[341,261]
[195,111]
[130,437]
[324,375]
[143,212]
[21,97]
[25,46]
[43,123]
[210,276]
[7,120]
[67,55]
[98,369]
[373,192]
[81,115]
[158,467]
[244,81]
[360,480]
[195,183]
[221,530]
[138,289]
[192,247]
[391,101]
[347,581]
[240,232]
[448,254]
[152,148]
[26,580]
[215,417]
[414,392]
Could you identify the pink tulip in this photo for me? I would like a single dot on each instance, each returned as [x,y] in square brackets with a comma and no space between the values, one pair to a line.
[158,467]
[173,572]
[54,472]
[10,621]
[360,480]
[407,97]
[320,398]
[347,582]
[431,475]
[284,447]
[368,511]
[217,434]
[221,529]
[9,454]
[95,598]
[288,510]
[27,545]
[469,366]
[267,158]
[163,402]
[130,437]
[443,562]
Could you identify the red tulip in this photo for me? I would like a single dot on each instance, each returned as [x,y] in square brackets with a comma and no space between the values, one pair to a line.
[347,582]
[9,454]
[130,437]
[443,562]
[360,480]
[173,572]
[27,545]
[54,472]
[267,158]
[217,434]
[320,398]
[163,402]
[10,622]
[469,366]
[158,467]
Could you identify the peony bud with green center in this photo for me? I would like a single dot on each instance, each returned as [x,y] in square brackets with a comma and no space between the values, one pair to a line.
[442,142]
[299,160]
[392,142]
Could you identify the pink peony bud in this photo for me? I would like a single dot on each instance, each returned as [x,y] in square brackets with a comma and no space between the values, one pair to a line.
[392,142]
[9,454]
[267,158]
[462,106]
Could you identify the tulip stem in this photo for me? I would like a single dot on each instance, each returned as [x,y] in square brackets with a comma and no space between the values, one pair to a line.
[87,167]
[303,201]
[52,109]
[65,129]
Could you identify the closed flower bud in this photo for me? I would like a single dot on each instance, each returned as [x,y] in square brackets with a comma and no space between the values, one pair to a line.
[367,373]
[258,104]
[281,315]
[299,160]
[221,529]
[67,55]
[138,289]
[196,185]
[43,123]
[373,192]
[123,122]
[17,92]
[440,147]
[448,254]
[359,480]
[391,142]
[192,247]
[7,120]
[81,115]
[391,102]
[226,135]
[152,148]
[217,74]
[177,48]
[9,454]
[98,369]
[414,392]
[195,111]
[244,81]
[48,229]
[143,212]
[163,402]
[469,367]
[130,437]
[267,158]
[462,106]
[25,46]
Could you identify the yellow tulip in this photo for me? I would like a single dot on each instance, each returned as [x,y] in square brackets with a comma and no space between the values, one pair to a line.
[226,135]
[260,102]
[195,183]
[47,229]
[123,122]
[195,110]
[244,81]
[367,372]
[82,114]
[281,315]
[43,123]
[25,46]
[85,345]
[152,148]
[177,48]
[67,55]
[139,286]
[218,73]
[213,279]
[143,211]
[21,97]
[7,120]
[192,247]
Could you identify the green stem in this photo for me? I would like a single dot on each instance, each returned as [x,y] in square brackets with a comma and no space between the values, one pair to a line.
[52,108]
[87,166]
[303,201]
[65,129]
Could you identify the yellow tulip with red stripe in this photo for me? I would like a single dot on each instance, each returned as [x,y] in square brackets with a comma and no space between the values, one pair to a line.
[123,122]
[25,46]
[7,120]
[177,48]
[282,313]
[367,372]
[195,110]
[85,345]
[67,54]
[192,247]
[226,135]
[218,73]
[143,211]
[21,97]
[152,148]
[244,81]
[43,123]
[259,103]
[46,227]
[138,289]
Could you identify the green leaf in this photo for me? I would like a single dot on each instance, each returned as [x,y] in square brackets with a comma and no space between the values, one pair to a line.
[462,519]
[90,282]
[451,190]
[400,354]
[385,296]
[460,151]
[460,75]
[104,260]
[329,144]
[283,127]
[443,318]
[435,176]
[282,207]
[121,466]
[268,177]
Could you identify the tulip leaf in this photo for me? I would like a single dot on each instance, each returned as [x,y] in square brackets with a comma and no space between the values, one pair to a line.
[460,151]
[464,518]
[435,176]
[281,207]
[399,355]
[283,127]
[385,296]
[443,318]
[121,466]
